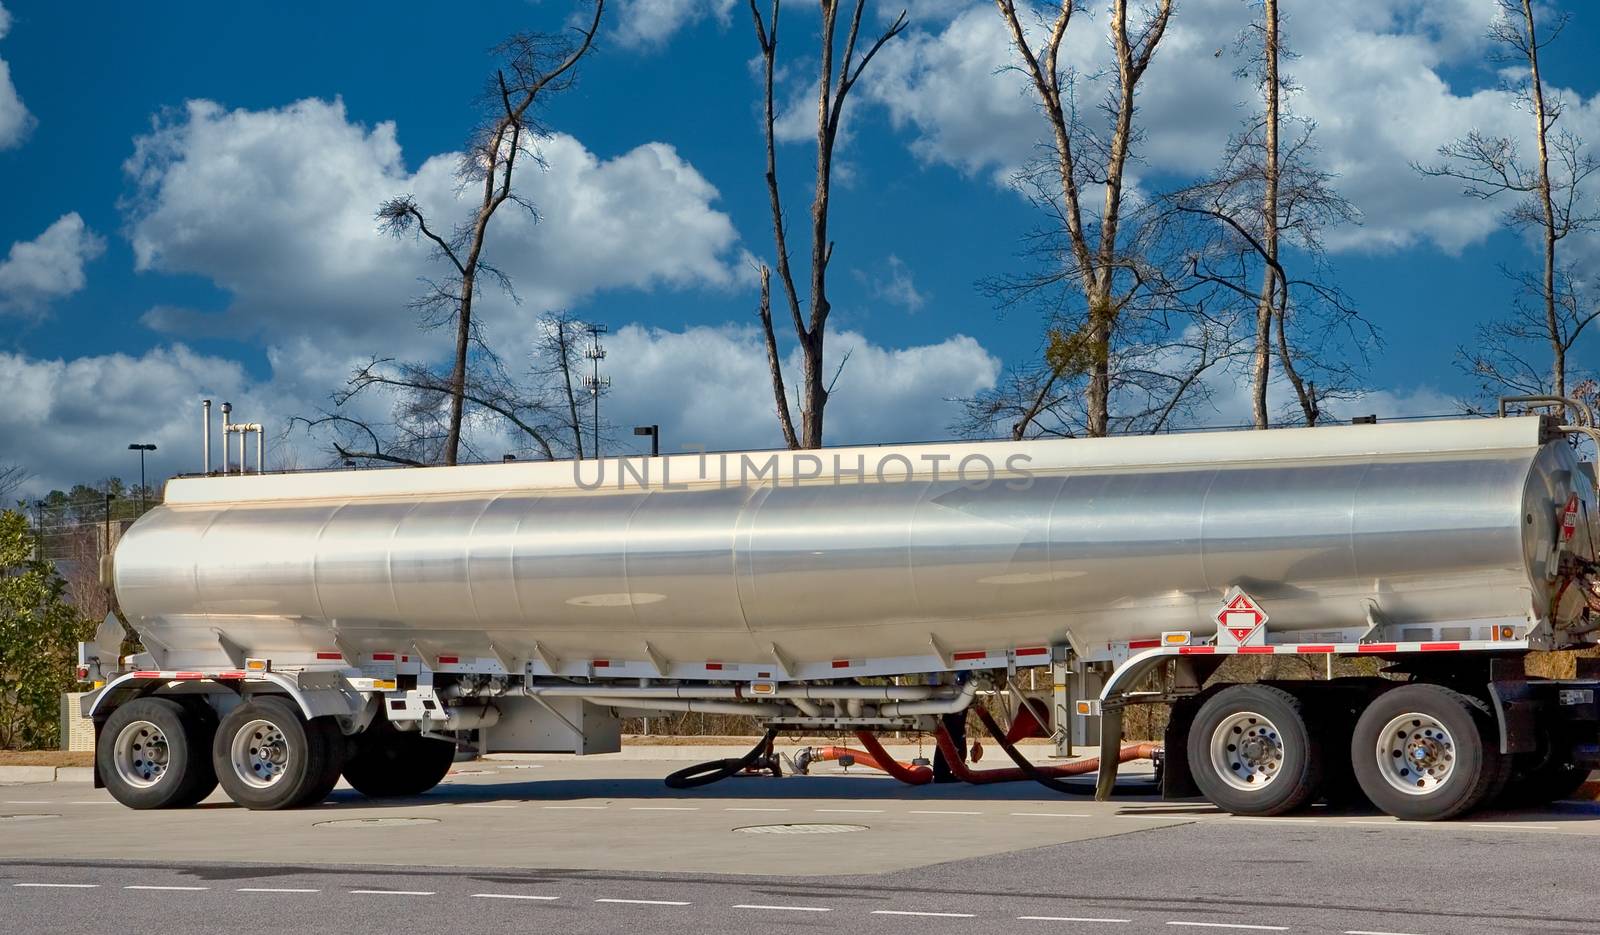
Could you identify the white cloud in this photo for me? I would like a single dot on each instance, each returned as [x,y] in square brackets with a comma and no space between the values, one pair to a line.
[276,207]
[47,267]
[15,121]
[894,284]
[1377,77]
[653,22]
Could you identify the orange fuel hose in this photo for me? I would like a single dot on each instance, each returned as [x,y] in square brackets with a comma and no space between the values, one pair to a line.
[1132,751]
[875,757]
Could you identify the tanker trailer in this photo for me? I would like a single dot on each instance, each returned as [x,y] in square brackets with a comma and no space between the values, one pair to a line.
[300,626]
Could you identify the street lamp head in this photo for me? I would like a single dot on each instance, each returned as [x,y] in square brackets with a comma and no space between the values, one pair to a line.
[644,430]
[146,447]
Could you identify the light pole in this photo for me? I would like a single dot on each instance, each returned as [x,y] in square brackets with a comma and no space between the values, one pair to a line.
[596,383]
[142,449]
[654,431]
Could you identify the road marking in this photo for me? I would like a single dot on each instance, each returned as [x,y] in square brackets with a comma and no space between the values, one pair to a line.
[1509,826]
[1233,925]
[60,886]
[664,808]
[173,889]
[273,889]
[852,811]
[393,892]
[95,802]
[487,806]
[513,896]
[1049,815]
[755,810]
[1362,932]
[27,802]
[930,811]
[935,915]
[595,807]
[1066,919]
[785,908]
[644,902]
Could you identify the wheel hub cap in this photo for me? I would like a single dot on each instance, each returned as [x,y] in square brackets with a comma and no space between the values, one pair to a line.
[260,754]
[1416,754]
[141,754]
[1247,751]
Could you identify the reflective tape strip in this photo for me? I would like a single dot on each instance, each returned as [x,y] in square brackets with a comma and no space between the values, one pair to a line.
[331,656]
[968,656]
[449,660]
[1143,644]
[1034,651]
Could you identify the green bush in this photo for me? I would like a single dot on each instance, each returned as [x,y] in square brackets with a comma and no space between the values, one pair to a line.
[39,632]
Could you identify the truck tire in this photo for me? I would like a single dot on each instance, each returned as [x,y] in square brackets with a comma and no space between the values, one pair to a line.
[386,763]
[1425,753]
[269,757]
[1251,752]
[155,753]
[1544,776]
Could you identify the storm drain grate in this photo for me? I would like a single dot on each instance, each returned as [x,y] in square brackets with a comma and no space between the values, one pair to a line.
[802,829]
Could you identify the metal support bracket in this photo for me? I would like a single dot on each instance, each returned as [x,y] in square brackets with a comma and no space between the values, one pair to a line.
[662,665]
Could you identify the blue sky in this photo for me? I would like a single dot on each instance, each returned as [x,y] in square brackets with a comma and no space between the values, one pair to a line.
[665,118]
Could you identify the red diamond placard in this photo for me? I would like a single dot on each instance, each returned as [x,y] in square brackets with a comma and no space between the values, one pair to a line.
[1241,621]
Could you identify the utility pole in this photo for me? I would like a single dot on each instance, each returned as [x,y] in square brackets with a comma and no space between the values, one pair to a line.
[142,449]
[595,382]
[654,431]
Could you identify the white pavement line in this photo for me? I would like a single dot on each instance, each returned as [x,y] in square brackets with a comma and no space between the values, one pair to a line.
[168,889]
[1233,925]
[643,902]
[392,892]
[785,908]
[576,807]
[95,802]
[465,805]
[851,811]
[664,808]
[1066,919]
[935,915]
[1509,826]
[934,811]
[1049,815]
[1364,932]
[273,889]
[514,896]
[60,886]
[755,810]
[27,802]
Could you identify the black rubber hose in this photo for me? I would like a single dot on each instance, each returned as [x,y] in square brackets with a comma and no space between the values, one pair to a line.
[1065,787]
[704,774]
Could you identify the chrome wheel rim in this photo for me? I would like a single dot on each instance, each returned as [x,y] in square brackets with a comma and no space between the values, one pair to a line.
[1247,751]
[260,754]
[141,754]
[1416,754]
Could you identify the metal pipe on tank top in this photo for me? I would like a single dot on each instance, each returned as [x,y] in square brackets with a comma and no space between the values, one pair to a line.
[226,409]
[261,450]
[205,423]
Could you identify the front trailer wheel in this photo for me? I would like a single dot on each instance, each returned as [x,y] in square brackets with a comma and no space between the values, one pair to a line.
[1251,752]
[386,763]
[267,756]
[154,753]
[1424,753]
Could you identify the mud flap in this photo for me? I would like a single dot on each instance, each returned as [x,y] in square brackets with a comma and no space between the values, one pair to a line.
[1177,779]
[1110,753]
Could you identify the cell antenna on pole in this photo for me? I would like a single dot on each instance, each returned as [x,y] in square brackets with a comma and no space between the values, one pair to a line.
[595,382]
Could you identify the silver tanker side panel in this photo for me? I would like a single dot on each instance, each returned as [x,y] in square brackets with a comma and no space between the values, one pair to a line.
[854,553]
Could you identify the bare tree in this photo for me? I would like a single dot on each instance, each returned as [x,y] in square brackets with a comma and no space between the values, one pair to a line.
[1264,196]
[536,64]
[810,330]
[1084,156]
[556,361]
[12,477]
[1549,197]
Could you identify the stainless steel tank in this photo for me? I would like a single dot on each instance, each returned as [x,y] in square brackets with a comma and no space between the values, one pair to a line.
[861,552]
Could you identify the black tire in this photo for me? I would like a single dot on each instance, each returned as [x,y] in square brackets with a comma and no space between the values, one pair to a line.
[1542,777]
[203,732]
[386,763]
[179,776]
[1263,735]
[1467,754]
[302,750]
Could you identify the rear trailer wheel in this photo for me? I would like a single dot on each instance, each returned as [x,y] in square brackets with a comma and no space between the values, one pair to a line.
[1251,752]
[269,757]
[153,753]
[1544,776]
[387,763]
[1426,753]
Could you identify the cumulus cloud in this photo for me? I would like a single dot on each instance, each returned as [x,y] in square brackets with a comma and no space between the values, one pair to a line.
[653,22]
[894,284]
[48,267]
[276,207]
[15,121]
[1386,82]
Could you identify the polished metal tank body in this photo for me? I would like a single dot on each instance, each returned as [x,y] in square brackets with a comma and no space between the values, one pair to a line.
[857,553]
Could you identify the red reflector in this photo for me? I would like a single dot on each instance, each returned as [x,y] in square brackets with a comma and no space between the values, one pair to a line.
[1440,647]
[841,663]
[449,660]
[963,657]
[1143,644]
[1314,648]
[82,672]
[763,675]
[1256,650]
[1196,650]
[602,663]
[383,657]
[1377,648]
[714,666]
[332,656]
[1034,651]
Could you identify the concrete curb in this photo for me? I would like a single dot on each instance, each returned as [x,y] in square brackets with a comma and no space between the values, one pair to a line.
[22,774]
